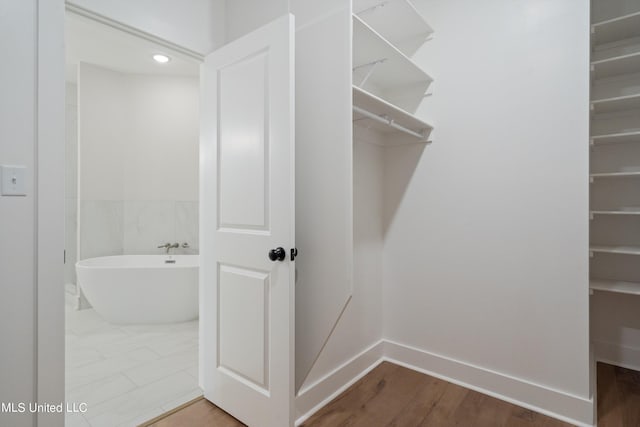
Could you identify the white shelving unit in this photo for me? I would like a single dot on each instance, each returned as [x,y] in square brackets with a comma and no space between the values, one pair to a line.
[615,66]
[619,211]
[631,288]
[386,16]
[390,118]
[615,77]
[616,29]
[387,84]
[615,138]
[615,104]
[615,174]
[379,63]
[621,250]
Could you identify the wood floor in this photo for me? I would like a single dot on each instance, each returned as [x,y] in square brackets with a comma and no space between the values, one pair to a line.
[618,396]
[393,396]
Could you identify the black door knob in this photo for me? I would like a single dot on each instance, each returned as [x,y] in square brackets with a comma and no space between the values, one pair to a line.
[277,254]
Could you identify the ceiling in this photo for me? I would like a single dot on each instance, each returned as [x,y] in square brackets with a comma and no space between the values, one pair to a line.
[99,44]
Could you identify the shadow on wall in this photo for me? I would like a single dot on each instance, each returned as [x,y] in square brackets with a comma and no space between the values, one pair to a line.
[401,163]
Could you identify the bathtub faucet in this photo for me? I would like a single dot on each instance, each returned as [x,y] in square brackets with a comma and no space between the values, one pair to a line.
[168,246]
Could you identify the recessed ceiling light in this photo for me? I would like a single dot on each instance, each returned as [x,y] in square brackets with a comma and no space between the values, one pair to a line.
[160,58]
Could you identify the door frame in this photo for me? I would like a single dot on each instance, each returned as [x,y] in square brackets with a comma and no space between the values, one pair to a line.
[49,194]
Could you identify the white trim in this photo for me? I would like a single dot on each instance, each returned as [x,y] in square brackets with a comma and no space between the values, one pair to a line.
[557,404]
[618,355]
[81,11]
[315,396]
[49,215]
[545,400]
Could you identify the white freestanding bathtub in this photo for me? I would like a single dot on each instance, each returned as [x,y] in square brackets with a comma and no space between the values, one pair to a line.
[141,288]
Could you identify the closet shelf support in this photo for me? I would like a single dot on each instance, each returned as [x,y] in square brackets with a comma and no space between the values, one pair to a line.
[372,66]
[372,8]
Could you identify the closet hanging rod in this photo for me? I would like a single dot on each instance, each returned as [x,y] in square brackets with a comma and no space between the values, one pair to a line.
[389,122]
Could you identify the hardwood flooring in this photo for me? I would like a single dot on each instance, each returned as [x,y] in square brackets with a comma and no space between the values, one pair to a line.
[200,413]
[394,396]
[618,396]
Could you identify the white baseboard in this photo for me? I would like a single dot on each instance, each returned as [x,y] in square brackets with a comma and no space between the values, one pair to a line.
[313,397]
[614,354]
[554,403]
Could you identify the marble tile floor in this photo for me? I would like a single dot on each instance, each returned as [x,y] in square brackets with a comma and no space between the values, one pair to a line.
[126,374]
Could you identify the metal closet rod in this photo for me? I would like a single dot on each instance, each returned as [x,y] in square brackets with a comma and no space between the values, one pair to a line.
[387,121]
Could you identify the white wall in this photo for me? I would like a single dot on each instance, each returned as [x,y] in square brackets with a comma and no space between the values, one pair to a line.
[197,25]
[244,16]
[486,240]
[138,162]
[17,244]
[32,132]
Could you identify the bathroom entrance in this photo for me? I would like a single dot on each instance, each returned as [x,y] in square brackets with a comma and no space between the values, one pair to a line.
[132,225]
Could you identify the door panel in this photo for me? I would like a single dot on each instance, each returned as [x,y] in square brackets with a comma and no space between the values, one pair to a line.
[243,143]
[247,209]
[243,319]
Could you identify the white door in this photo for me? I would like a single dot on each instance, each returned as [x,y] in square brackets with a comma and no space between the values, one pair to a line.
[247,196]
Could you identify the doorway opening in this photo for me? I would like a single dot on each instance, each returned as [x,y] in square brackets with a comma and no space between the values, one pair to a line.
[132,225]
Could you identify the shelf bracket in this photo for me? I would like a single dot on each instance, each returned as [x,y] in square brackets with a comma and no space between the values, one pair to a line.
[372,66]
[372,8]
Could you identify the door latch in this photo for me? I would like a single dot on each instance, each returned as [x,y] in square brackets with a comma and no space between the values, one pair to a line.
[294,253]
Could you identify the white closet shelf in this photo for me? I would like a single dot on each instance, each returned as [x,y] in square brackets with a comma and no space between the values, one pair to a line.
[615,104]
[614,174]
[386,117]
[619,28]
[381,64]
[618,211]
[631,288]
[614,138]
[621,250]
[615,66]
[398,21]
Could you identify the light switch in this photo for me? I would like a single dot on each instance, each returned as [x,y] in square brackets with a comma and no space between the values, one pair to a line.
[13,180]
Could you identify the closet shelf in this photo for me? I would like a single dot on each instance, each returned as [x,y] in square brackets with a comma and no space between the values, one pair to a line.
[621,250]
[398,21]
[615,104]
[386,117]
[378,63]
[614,138]
[631,288]
[619,211]
[614,174]
[618,65]
[620,28]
